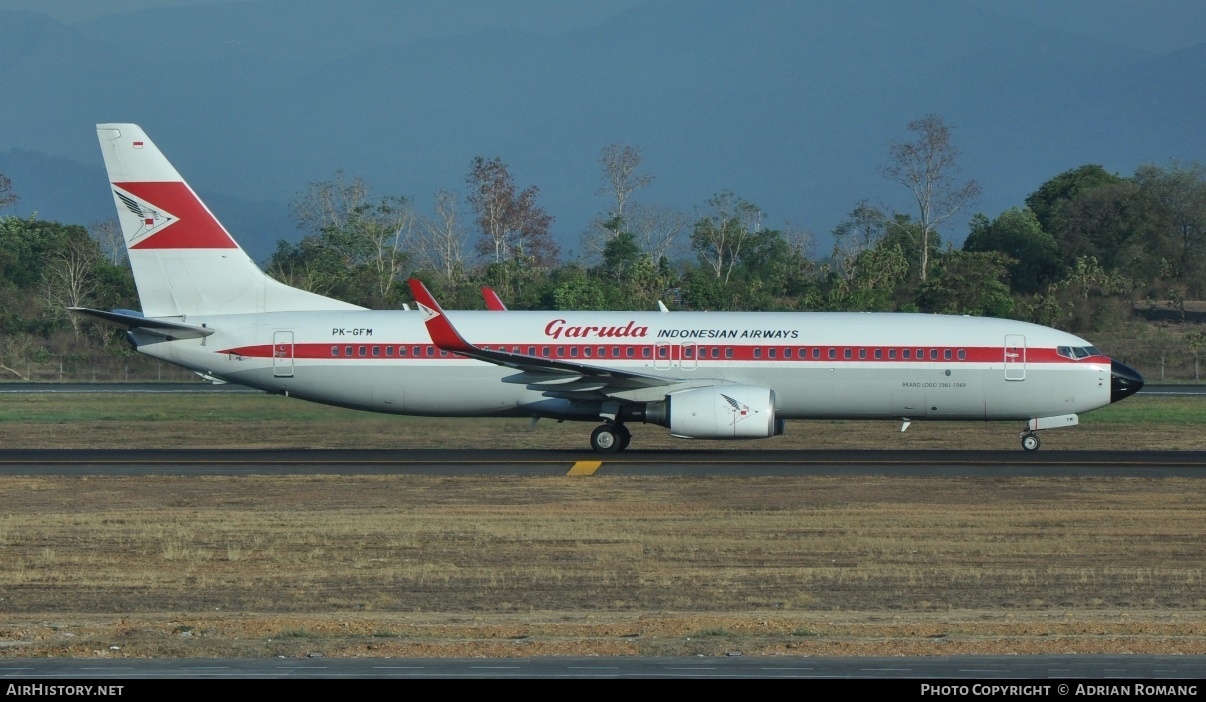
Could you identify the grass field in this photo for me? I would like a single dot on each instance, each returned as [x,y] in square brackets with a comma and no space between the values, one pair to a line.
[517,566]
[239,420]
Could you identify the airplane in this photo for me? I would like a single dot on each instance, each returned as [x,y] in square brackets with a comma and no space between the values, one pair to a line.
[207,307]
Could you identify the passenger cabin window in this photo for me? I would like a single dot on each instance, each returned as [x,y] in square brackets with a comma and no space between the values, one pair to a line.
[587,351]
[816,353]
[757,353]
[786,353]
[646,352]
[376,350]
[347,351]
[401,350]
[363,351]
[946,354]
[906,354]
[544,351]
[933,354]
[334,350]
[892,354]
[770,353]
[574,351]
[728,352]
[862,354]
[389,350]
[832,354]
[560,351]
[629,352]
[879,353]
[846,354]
[962,354]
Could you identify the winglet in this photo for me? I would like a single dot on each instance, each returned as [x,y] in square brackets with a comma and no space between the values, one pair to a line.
[493,302]
[442,333]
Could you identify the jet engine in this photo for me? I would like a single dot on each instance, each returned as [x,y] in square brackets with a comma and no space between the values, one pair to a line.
[718,412]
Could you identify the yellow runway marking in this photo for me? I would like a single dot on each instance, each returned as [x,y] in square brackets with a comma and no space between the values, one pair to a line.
[585,467]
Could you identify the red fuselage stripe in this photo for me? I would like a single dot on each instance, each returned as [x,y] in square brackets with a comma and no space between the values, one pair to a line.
[701,353]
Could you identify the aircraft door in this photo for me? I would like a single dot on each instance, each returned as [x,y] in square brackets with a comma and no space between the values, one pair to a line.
[662,355]
[1015,357]
[282,354]
[688,359]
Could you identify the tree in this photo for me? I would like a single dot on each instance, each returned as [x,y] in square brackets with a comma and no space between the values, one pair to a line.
[1035,262]
[871,279]
[513,226]
[1105,223]
[107,235]
[620,177]
[1195,341]
[927,166]
[440,245]
[1048,201]
[7,196]
[719,237]
[862,229]
[71,280]
[618,164]
[357,248]
[1178,197]
[966,282]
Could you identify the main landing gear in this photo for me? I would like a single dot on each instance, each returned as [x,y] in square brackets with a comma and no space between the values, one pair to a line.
[610,438]
[1030,441]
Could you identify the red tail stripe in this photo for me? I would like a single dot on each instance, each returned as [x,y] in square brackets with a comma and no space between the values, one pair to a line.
[195,227]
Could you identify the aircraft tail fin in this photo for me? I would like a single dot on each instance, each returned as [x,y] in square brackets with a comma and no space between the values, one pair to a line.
[184,260]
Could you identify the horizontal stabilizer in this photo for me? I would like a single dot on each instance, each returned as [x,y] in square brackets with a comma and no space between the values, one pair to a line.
[132,320]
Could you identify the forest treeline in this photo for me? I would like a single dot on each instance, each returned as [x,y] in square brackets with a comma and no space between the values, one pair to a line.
[1083,252]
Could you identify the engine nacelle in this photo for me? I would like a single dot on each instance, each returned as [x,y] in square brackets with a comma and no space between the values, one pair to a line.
[723,412]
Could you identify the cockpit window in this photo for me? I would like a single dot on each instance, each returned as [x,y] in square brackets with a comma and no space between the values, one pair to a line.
[1077,352]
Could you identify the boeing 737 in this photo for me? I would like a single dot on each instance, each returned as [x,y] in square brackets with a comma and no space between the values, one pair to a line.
[207,307]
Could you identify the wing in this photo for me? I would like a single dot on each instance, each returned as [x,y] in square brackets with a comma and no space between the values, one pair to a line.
[447,338]
[493,302]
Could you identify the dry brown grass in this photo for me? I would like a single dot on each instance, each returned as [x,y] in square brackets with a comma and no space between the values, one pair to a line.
[419,565]
[518,566]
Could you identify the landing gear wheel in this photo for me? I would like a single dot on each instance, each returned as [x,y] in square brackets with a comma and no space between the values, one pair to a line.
[605,439]
[624,435]
[1030,441]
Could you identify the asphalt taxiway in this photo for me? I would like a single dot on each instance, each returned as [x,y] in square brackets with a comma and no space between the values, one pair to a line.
[1109,669]
[450,462]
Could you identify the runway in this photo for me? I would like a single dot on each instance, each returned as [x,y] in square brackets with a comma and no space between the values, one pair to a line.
[697,463]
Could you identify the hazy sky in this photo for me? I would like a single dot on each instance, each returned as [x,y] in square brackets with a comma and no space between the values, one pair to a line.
[76,10]
[1152,25]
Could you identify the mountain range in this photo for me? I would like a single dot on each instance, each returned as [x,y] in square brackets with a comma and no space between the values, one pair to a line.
[791,105]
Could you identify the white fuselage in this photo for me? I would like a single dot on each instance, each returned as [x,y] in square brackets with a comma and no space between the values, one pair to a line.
[819,365]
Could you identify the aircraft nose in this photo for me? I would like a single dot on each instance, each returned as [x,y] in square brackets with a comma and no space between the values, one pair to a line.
[1124,381]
